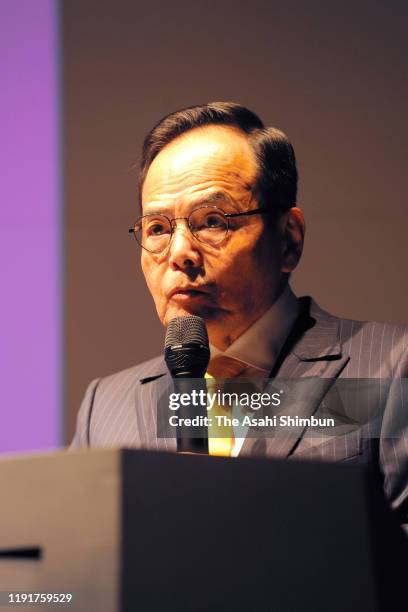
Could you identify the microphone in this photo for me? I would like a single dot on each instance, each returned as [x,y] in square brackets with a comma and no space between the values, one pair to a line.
[187,353]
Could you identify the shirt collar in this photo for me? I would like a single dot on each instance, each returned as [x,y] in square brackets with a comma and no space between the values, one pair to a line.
[260,344]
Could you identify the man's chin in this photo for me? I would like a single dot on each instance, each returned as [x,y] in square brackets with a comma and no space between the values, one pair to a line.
[176,310]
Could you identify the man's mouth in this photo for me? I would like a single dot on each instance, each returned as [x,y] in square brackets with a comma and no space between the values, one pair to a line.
[187,294]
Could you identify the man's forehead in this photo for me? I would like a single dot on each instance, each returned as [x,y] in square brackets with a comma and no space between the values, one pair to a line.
[214,154]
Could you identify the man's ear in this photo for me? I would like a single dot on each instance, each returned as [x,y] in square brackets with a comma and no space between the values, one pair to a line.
[293,236]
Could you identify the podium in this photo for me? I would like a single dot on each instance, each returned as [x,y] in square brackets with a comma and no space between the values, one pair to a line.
[126,530]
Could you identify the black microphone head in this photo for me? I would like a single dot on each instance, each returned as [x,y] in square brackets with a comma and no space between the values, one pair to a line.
[186,330]
[186,348]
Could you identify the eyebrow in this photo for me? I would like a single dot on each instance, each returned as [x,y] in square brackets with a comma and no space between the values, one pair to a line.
[214,197]
[217,196]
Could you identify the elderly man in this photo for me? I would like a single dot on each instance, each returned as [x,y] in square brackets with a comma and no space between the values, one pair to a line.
[220,234]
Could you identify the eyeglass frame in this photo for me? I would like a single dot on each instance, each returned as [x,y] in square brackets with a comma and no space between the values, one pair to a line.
[255,211]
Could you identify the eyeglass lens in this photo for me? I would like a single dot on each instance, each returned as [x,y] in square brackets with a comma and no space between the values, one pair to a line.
[207,224]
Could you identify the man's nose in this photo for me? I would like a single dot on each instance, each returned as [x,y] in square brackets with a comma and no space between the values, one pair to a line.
[184,250]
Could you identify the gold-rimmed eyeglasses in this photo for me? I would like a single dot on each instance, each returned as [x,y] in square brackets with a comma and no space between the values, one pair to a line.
[208,224]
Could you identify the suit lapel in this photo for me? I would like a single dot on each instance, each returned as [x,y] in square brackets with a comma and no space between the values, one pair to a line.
[310,361]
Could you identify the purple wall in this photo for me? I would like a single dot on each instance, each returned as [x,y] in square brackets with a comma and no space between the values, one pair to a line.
[30,227]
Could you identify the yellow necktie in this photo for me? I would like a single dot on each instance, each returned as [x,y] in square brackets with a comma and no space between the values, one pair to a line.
[220,432]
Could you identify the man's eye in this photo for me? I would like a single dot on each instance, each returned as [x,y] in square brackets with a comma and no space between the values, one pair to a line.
[157,229]
[214,222]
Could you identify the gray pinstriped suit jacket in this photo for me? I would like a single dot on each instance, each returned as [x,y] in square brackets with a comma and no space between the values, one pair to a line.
[121,409]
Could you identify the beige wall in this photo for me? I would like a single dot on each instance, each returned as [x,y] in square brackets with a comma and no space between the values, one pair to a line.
[331,74]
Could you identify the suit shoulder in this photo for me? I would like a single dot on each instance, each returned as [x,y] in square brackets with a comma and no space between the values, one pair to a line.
[391,333]
[109,406]
[376,349]
[128,377]
[376,329]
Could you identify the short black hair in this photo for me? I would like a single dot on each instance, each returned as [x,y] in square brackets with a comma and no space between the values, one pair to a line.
[276,183]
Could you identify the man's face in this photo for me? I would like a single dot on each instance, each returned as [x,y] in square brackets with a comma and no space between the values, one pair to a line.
[233,283]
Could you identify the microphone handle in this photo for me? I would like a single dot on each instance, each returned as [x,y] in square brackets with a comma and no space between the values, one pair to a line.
[192,439]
